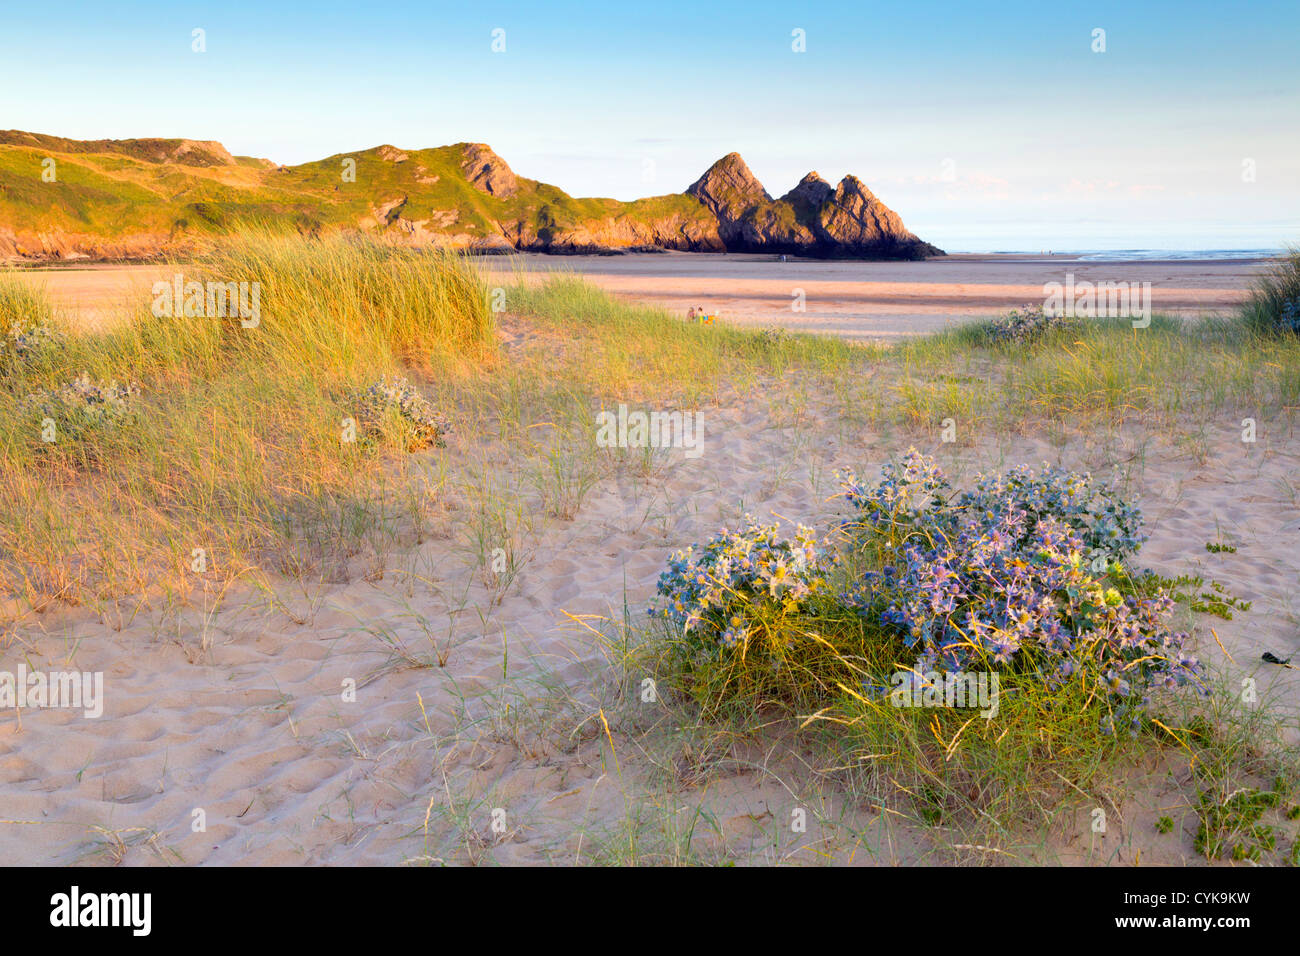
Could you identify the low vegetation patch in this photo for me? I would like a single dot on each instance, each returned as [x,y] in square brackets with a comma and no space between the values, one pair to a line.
[1028,324]
[28,331]
[395,408]
[947,649]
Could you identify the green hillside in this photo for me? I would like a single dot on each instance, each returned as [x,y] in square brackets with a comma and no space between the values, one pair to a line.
[62,198]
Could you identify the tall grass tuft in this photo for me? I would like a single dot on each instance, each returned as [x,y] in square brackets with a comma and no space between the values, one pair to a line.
[233,448]
[1274,304]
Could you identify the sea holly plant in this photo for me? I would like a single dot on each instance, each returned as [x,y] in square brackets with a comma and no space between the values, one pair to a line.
[24,341]
[999,577]
[1026,325]
[77,411]
[739,583]
[1288,318]
[1103,521]
[394,406]
[916,496]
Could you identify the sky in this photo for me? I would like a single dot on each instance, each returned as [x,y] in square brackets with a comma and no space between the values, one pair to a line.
[1001,126]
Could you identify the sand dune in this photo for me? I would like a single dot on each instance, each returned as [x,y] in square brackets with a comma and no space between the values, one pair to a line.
[241,714]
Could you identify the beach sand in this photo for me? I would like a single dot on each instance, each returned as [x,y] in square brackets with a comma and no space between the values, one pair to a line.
[240,713]
[876,301]
[234,713]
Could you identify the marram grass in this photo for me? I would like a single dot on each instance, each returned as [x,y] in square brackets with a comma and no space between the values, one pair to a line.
[232,458]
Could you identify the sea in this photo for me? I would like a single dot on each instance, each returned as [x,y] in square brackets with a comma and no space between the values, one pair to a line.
[1143,255]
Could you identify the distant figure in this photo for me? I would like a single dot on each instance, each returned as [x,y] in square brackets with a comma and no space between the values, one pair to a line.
[691,314]
[783,258]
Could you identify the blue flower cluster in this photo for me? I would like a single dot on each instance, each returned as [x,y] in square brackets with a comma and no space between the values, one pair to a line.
[1104,523]
[717,590]
[901,494]
[917,496]
[1001,574]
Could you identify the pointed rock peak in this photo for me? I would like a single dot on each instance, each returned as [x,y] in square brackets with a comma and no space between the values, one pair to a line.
[812,189]
[851,185]
[727,184]
[487,171]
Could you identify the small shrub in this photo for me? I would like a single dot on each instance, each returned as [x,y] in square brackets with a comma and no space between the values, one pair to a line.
[755,622]
[732,588]
[395,407]
[24,341]
[27,328]
[999,577]
[1026,325]
[81,411]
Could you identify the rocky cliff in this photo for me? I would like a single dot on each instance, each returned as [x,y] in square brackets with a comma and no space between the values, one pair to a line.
[812,219]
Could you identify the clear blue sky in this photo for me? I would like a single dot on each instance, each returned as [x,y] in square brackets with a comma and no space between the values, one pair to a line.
[985,126]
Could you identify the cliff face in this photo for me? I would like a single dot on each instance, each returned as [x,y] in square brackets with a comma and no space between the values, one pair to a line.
[811,219]
[62,199]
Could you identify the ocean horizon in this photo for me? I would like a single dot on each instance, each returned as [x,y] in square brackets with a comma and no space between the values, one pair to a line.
[1134,255]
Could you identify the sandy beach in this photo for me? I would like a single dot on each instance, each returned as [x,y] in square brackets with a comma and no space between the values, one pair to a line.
[414,709]
[866,301]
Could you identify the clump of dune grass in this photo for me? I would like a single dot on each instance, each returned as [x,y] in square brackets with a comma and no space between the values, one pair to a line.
[1274,304]
[23,304]
[239,444]
[344,299]
[1100,373]
[29,331]
[635,352]
[236,445]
